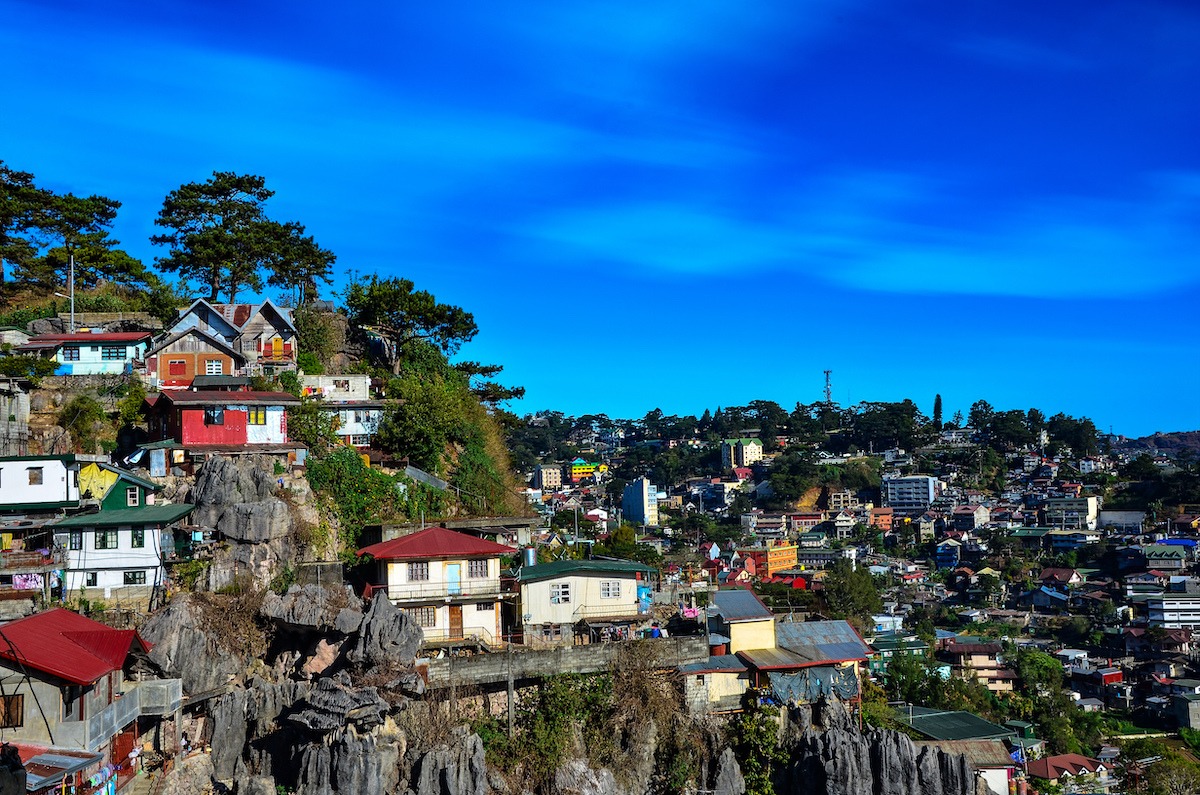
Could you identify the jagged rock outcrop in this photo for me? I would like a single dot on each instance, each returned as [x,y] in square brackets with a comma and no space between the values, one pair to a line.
[350,762]
[455,768]
[729,775]
[576,777]
[830,755]
[388,637]
[181,648]
[313,608]
[333,702]
[191,775]
[226,481]
[245,715]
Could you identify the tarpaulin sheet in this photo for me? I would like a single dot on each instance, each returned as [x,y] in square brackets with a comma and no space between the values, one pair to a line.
[810,684]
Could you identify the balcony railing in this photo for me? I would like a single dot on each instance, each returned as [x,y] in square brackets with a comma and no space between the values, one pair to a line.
[476,634]
[152,697]
[429,592]
[618,608]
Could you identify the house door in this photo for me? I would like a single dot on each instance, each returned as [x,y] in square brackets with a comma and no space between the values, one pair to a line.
[456,627]
[122,744]
[454,578]
[277,348]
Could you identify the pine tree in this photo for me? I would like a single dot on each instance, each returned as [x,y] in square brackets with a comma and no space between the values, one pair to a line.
[937,412]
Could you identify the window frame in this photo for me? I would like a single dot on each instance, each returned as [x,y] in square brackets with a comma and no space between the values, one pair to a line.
[75,540]
[425,617]
[560,593]
[134,577]
[474,567]
[70,353]
[133,497]
[418,571]
[214,416]
[111,539]
[7,704]
[176,367]
[256,415]
[482,607]
[113,353]
[90,578]
[37,476]
[137,538]
[208,367]
[607,589]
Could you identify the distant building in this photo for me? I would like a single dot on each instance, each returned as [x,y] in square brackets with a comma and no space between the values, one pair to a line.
[639,502]
[740,452]
[90,354]
[548,477]
[579,469]
[910,495]
[1072,512]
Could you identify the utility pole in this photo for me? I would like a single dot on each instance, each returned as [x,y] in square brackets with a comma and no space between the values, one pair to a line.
[71,279]
[828,388]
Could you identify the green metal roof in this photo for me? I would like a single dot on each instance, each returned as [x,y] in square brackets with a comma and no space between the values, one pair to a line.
[946,725]
[148,514]
[562,568]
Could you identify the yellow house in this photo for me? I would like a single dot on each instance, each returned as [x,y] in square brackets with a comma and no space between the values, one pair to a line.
[742,618]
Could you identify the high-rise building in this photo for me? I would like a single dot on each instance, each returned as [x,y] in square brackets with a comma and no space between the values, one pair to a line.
[639,502]
[911,494]
[740,452]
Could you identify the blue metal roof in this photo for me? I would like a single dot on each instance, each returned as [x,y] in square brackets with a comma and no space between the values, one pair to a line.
[821,641]
[739,605]
[721,663]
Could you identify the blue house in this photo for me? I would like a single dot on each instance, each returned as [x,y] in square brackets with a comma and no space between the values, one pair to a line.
[948,554]
[90,354]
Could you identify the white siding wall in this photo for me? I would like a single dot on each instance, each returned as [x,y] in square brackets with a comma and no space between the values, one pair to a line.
[110,565]
[537,604]
[59,481]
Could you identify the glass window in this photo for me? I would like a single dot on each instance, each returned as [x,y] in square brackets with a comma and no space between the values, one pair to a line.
[418,571]
[12,711]
[560,593]
[610,589]
[70,353]
[477,568]
[112,353]
[106,539]
[214,367]
[35,476]
[424,616]
[485,607]
[135,577]
[139,537]
[132,498]
[256,415]
[90,579]
[76,539]
[214,416]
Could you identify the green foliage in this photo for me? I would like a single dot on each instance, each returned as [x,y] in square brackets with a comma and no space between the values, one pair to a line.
[753,735]
[284,579]
[851,593]
[34,368]
[313,424]
[321,337]
[309,363]
[131,406]
[189,572]
[433,413]
[79,417]
[395,309]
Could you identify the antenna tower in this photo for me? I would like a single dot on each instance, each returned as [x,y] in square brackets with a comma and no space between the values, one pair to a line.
[828,388]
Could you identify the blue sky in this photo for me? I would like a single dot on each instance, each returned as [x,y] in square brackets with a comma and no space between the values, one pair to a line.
[685,205]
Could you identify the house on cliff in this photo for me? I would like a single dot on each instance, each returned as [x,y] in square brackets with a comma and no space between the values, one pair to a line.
[87,353]
[264,335]
[448,582]
[582,601]
[82,693]
[192,424]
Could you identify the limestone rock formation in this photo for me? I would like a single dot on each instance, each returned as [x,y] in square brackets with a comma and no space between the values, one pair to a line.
[333,702]
[181,648]
[729,775]
[455,768]
[313,608]
[388,637]
[350,762]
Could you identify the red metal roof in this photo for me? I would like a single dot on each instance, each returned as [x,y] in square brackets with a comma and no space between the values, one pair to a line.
[435,542]
[116,336]
[67,645]
[216,398]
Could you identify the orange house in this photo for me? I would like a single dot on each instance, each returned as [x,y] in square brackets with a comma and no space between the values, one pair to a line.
[177,360]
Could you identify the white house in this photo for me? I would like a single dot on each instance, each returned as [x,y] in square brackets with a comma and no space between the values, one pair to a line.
[449,582]
[608,596]
[39,483]
[117,554]
[90,354]
[348,399]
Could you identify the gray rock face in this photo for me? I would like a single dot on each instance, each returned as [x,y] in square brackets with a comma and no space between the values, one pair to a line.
[255,522]
[223,482]
[363,764]
[314,608]
[457,768]
[831,756]
[729,775]
[241,716]
[182,649]
[575,777]
[388,637]
[190,775]
[333,702]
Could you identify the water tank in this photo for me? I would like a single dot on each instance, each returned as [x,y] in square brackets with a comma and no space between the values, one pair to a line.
[529,556]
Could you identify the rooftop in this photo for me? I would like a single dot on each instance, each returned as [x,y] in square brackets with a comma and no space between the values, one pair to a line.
[435,543]
[563,568]
[67,645]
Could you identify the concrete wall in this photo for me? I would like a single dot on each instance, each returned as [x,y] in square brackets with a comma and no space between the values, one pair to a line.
[585,600]
[528,664]
[751,635]
[59,482]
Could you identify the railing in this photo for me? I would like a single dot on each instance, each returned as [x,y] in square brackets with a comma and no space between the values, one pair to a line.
[152,697]
[618,609]
[410,592]
[476,634]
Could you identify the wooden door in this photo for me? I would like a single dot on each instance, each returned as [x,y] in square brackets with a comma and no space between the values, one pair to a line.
[456,627]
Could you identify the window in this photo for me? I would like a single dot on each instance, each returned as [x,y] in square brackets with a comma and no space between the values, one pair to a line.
[360,439]
[112,353]
[214,367]
[214,416]
[342,385]
[256,415]
[560,593]
[610,589]
[71,702]
[139,537]
[12,711]
[76,540]
[176,367]
[485,607]
[424,616]
[70,353]
[90,579]
[477,568]
[135,578]
[132,498]
[418,571]
[35,476]
[106,539]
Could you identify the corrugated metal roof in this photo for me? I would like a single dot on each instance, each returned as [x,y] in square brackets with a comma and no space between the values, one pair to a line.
[560,568]
[822,641]
[67,645]
[147,514]
[980,753]
[951,725]
[737,605]
[435,542]
[221,398]
[721,663]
